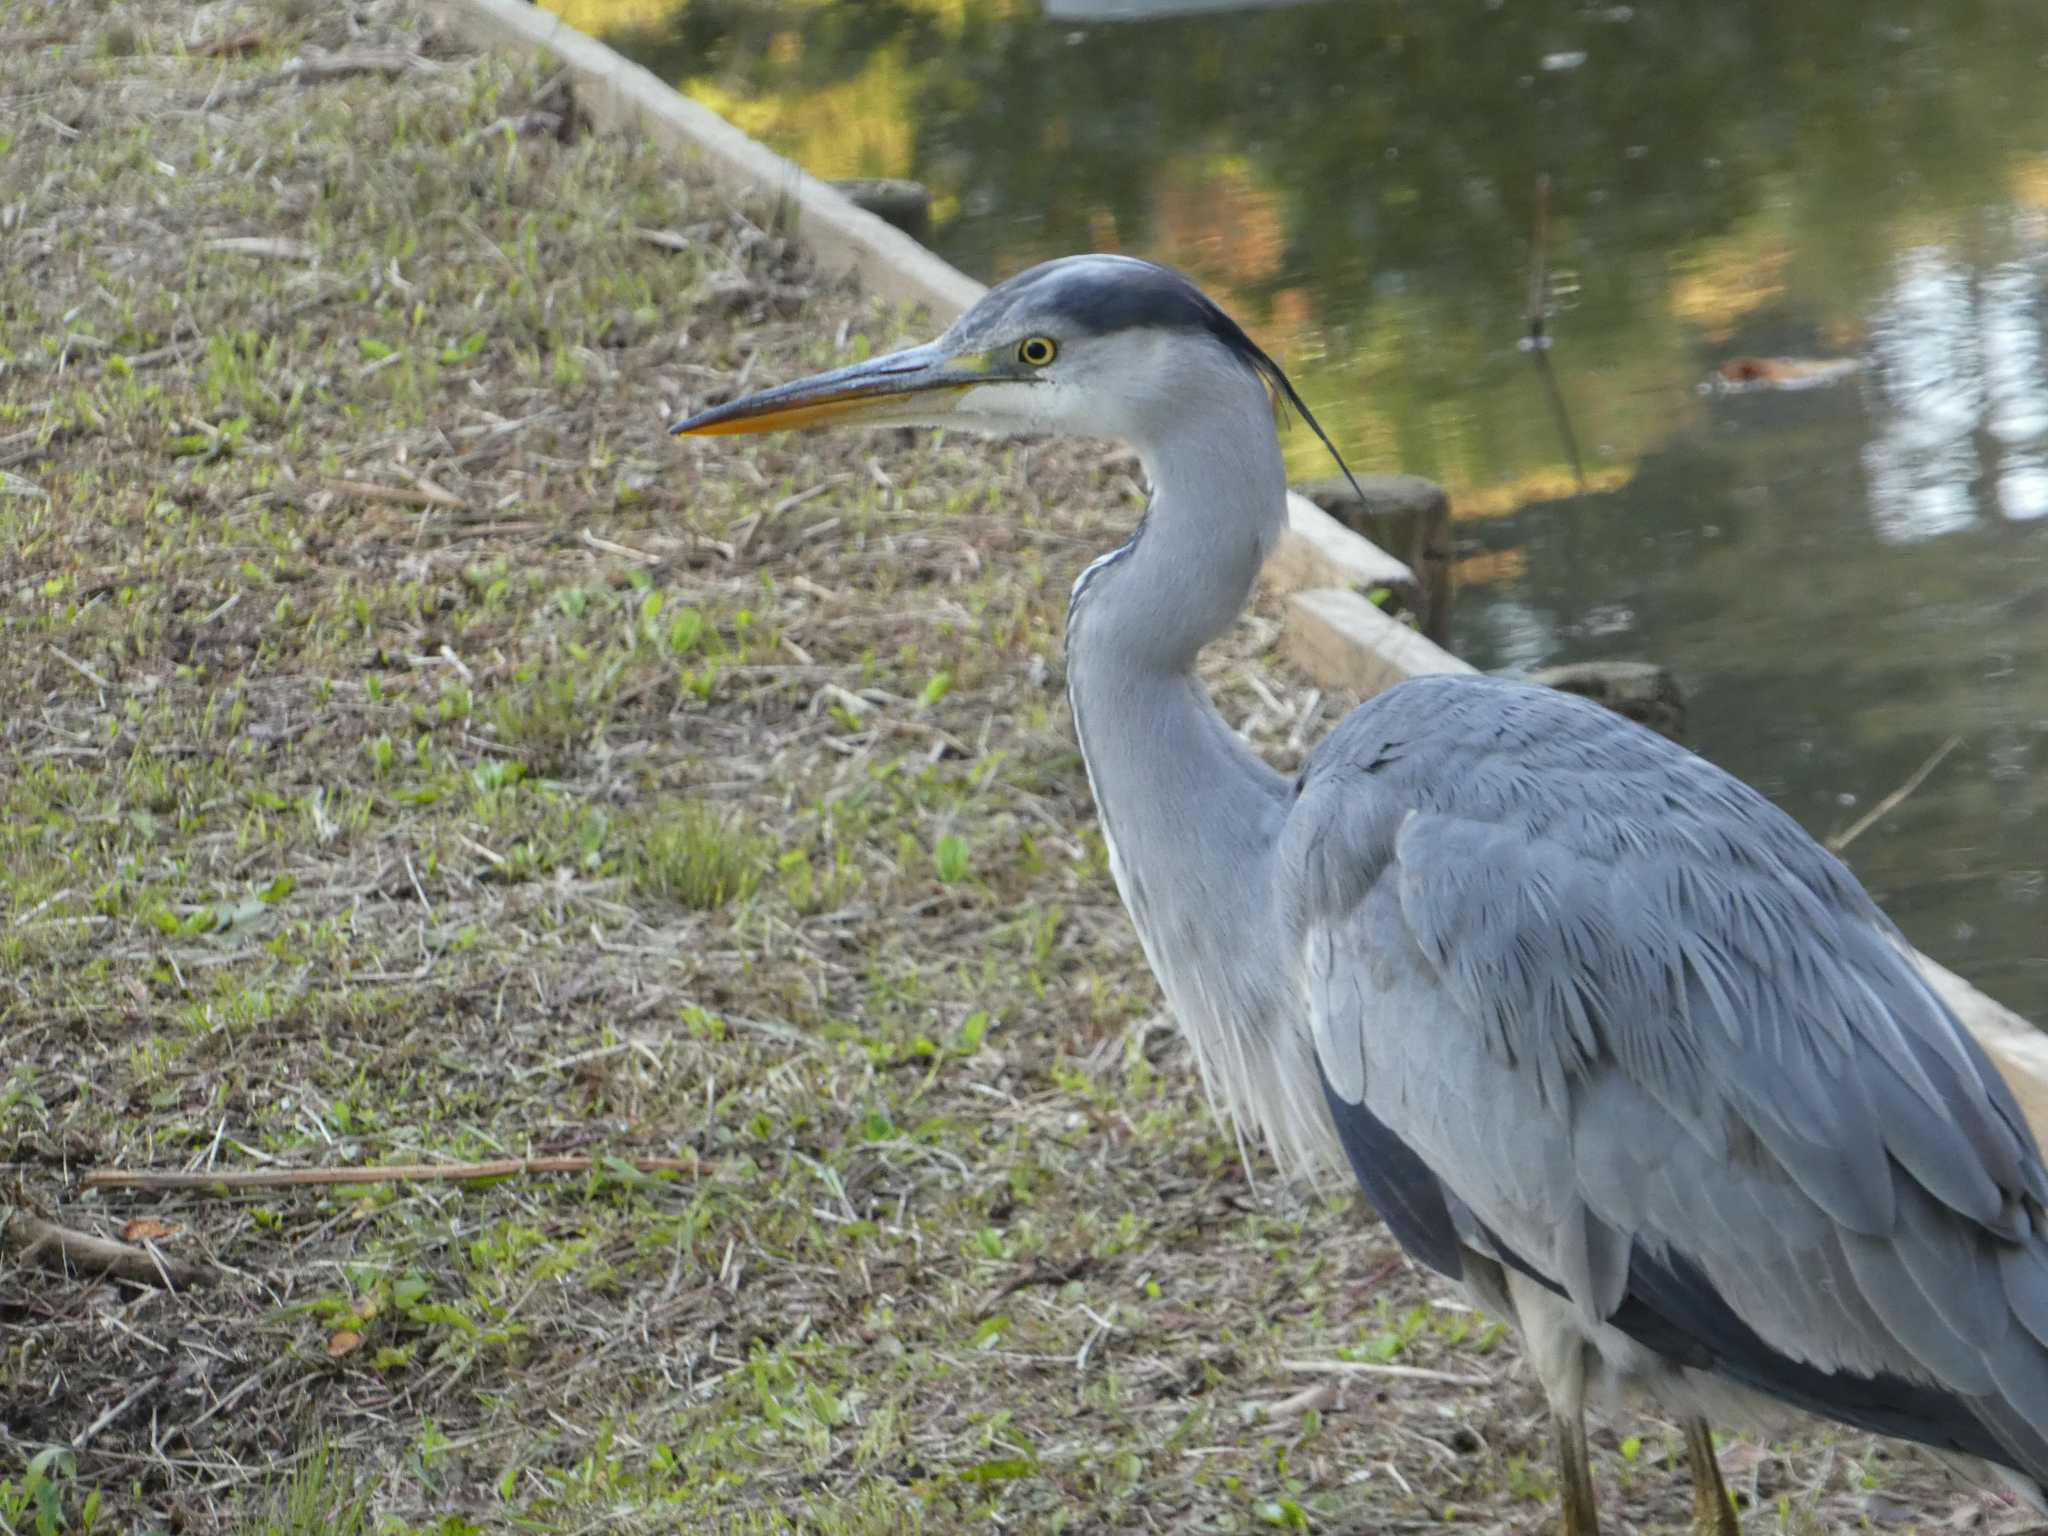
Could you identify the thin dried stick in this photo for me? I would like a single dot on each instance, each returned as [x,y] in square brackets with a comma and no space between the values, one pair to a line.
[91,1431]
[1891,801]
[231,46]
[36,1241]
[265,247]
[410,495]
[318,68]
[389,1173]
[1367,1368]
[1323,1394]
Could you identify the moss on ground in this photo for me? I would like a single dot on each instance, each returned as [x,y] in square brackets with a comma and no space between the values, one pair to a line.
[414,755]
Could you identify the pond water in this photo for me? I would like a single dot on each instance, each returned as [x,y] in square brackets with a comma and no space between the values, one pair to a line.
[1842,576]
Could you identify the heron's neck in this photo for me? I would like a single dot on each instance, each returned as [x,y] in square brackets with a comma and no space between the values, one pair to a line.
[1154,743]
[1141,615]
[1189,812]
[1219,505]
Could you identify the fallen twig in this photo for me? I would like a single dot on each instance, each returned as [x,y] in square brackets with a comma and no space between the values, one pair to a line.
[316,68]
[666,239]
[36,1241]
[80,668]
[1890,802]
[1368,1368]
[625,550]
[423,495]
[1323,1394]
[90,1433]
[232,45]
[389,1173]
[265,248]
[1040,1273]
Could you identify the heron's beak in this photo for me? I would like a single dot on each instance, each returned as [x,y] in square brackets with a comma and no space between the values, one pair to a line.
[917,385]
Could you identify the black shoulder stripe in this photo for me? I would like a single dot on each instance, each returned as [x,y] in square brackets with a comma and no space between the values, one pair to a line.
[1399,1184]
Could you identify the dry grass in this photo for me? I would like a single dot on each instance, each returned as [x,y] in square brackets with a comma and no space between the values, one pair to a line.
[413,755]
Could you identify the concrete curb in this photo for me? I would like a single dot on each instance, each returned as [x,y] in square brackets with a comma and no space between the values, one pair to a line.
[1333,632]
[1342,639]
[2015,1046]
[1319,551]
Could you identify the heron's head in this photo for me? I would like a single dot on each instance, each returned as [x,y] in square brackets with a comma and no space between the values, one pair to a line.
[1096,346]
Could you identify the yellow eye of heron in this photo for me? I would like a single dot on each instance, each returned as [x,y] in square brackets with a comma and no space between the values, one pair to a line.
[1037,351]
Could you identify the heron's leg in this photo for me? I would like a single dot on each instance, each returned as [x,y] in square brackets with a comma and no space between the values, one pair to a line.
[1553,1344]
[1581,1515]
[1713,1513]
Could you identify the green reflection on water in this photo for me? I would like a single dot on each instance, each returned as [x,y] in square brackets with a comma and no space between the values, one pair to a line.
[1356,182]
[1357,179]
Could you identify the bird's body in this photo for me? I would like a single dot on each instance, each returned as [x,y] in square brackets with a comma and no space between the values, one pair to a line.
[1693,1106]
[1600,1031]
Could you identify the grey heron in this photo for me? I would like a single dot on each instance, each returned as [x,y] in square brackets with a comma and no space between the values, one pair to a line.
[1600,1031]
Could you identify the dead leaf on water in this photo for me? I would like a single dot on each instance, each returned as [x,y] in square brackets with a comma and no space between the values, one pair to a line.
[1740,375]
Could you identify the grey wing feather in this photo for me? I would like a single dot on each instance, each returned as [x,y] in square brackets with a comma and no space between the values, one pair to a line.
[1623,1008]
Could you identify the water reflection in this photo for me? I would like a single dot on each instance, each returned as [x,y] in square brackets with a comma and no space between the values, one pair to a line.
[1842,576]
[1922,460]
[1960,364]
[2017,386]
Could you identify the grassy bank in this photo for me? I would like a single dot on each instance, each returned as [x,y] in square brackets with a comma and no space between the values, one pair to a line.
[414,756]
